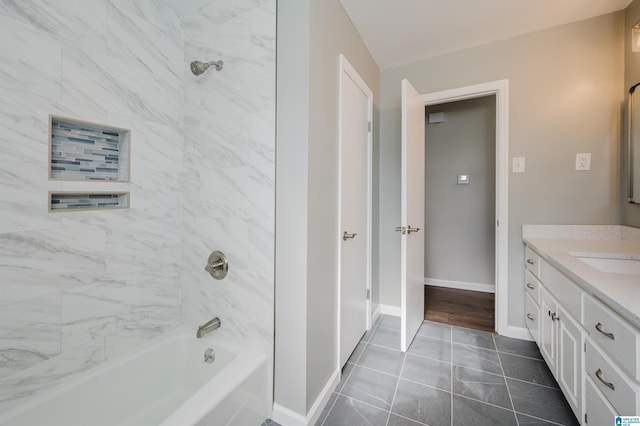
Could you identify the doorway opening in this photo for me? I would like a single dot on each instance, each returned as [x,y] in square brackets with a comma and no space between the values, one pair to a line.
[460,203]
[499,91]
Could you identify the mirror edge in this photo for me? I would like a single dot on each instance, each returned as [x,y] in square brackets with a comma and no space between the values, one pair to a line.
[630,149]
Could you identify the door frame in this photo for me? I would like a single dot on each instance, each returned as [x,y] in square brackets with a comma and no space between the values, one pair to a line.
[500,89]
[346,68]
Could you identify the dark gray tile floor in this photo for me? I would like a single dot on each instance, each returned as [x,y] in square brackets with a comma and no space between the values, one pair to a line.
[449,376]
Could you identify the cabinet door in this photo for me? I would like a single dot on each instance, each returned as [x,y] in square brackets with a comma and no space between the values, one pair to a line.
[548,330]
[598,411]
[532,318]
[570,360]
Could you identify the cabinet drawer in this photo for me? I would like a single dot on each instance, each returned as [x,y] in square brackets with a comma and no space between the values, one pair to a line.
[532,318]
[566,292]
[619,390]
[615,336]
[532,261]
[532,286]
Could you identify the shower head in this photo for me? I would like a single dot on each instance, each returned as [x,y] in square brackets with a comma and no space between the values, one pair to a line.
[198,67]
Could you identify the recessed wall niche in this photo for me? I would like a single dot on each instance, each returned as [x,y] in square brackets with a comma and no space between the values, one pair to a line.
[83,201]
[83,151]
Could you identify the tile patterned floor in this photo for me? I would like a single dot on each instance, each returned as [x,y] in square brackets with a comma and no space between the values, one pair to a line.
[450,376]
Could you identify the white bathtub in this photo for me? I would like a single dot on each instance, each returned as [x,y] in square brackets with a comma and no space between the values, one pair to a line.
[166,383]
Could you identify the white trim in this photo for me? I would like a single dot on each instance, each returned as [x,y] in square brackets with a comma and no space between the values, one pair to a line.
[346,68]
[517,333]
[376,314]
[460,285]
[500,89]
[284,416]
[390,310]
[287,417]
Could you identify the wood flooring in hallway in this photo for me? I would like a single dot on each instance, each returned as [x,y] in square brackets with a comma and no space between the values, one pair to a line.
[462,308]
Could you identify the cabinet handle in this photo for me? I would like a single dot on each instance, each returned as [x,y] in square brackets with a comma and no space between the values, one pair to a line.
[604,382]
[609,335]
[530,286]
[531,262]
[554,317]
[531,317]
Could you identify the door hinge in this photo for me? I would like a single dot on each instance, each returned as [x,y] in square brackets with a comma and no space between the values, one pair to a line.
[585,418]
[369,125]
[368,294]
[585,346]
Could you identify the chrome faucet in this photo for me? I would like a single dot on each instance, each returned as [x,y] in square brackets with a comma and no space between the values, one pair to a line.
[207,327]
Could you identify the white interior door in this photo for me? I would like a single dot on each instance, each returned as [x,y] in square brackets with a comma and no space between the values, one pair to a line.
[354,241]
[412,215]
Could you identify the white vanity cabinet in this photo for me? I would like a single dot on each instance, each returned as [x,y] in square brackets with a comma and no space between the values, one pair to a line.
[593,353]
[559,334]
[570,359]
[548,330]
[532,288]
[611,357]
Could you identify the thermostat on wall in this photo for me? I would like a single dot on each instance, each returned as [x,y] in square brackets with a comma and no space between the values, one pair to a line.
[463,179]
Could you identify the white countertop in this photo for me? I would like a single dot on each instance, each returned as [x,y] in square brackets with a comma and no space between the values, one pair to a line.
[554,243]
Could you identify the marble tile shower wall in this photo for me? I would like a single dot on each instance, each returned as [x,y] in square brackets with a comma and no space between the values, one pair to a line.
[79,288]
[228,184]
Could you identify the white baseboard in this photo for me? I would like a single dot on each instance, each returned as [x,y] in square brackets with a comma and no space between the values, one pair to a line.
[375,315]
[516,332]
[390,310]
[286,417]
[461,285]
[323,398]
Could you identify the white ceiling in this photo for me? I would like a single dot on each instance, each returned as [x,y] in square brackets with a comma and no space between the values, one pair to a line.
[403,31]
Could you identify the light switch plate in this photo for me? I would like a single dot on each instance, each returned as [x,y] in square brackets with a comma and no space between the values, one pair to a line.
[583,161]
[518,165]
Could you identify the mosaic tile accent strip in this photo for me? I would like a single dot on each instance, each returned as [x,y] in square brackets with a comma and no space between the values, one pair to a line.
[69,201]
[86,151]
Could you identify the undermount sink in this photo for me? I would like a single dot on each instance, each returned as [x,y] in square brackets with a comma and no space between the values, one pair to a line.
[612,263]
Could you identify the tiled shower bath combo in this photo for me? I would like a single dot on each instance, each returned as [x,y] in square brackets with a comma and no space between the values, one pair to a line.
[80,288]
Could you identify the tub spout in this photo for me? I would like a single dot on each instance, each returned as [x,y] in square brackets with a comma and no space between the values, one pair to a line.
[207,327]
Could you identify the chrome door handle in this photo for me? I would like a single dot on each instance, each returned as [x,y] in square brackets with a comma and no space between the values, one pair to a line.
[531,317]
[530,286]
[410,229]
[604,382]
[609,335]
[401,229]
[530,262]
[554,317]
[347,236]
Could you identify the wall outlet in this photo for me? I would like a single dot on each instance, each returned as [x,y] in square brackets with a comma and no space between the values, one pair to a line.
[518,165]
[583,161]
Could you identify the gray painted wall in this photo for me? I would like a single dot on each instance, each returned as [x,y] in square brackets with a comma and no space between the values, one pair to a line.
[332,33]
[565,98]
[459,219]
[292,128]
[311,35]
[631,212]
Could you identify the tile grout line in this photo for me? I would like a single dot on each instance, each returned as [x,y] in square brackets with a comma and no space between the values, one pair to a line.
[513,408]
[381,409]
[330,410]
[541,419]
[447,362]
[451,372]
[355,363]
[393,400]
